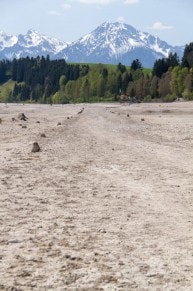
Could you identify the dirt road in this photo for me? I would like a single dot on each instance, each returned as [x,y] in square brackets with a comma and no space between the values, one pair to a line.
[107,204]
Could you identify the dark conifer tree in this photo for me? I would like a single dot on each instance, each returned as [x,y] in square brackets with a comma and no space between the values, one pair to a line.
[121,68]
[187,59]
[136,64]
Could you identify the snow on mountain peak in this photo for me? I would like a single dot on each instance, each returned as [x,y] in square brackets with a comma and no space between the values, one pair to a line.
[35,37]
[7,40]
[117,42]
[32,38]
[118,37]
[108,43]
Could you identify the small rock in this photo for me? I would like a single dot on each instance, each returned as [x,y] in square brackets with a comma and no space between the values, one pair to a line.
[37,121]
[42,135]
[13,241]
[24,274]
[0,120]
[102,230]
[59,123]
[35,147]
[127,115]
[21,116]
[142,119]
[81,111]
[24,126]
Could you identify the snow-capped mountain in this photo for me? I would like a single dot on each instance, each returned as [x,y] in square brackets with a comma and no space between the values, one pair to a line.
[108,43]
[32,44]
[118,42]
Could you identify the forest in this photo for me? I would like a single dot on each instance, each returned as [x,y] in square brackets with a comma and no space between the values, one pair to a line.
[44,80]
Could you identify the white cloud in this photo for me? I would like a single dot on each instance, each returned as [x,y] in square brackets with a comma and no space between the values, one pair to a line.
[66,6]
[131,1]
[96,1]
[53,12]
[57,13]
[121,19]
[160,26]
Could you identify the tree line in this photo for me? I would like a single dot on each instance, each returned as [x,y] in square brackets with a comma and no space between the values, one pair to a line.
[56,81]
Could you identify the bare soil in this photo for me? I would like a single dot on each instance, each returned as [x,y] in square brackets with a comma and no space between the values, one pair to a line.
[107,202]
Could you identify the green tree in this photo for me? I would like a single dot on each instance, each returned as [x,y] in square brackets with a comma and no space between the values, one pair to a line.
[187,59]
[62,82]
[2,71]
[85,91]
[174,80]
[101,87]
[112,85]
[181,78]
[188,86]
[154,87]
[131,89]
[136,64]
[69,92]
[188,82]
[160,67]
[126,78]
[172,60]
[121,68]
[137,74]
[104,73]
[164,87]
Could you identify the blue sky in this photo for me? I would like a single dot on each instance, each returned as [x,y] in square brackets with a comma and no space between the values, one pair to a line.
[68,20]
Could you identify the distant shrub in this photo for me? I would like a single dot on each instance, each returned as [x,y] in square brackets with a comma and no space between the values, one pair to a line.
[169,98]
[148,98]
[187,95]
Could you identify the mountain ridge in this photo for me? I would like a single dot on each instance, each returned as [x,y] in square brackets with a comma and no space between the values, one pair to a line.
[108,43]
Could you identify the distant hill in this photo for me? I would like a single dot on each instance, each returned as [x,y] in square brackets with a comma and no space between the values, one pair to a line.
[109,43]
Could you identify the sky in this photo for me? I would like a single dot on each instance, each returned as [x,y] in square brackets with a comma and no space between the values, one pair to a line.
[68,20]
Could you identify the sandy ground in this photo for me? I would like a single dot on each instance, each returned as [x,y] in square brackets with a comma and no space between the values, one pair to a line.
[107,204]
